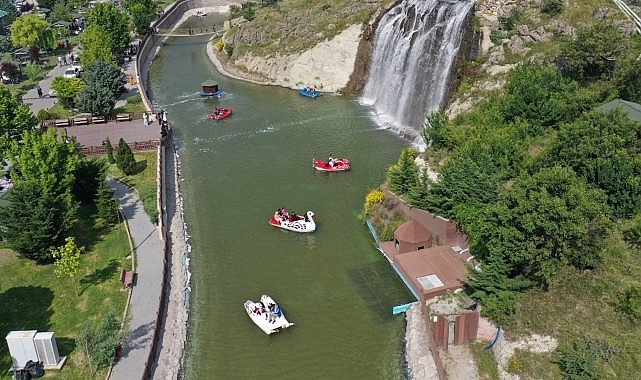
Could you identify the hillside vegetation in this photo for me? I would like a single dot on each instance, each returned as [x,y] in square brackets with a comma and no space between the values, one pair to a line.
[547,188]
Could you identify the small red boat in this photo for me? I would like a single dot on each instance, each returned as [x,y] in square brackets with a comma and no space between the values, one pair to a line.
[220,113]
[335,165]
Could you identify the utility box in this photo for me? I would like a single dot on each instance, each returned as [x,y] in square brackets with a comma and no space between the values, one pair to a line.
[22,347]
[46,348]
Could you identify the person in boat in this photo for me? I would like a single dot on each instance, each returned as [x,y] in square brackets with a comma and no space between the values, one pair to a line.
[293,217]
[330,161]
[284,215]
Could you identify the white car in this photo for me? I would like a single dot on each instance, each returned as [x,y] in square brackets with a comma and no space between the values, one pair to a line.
[70,73]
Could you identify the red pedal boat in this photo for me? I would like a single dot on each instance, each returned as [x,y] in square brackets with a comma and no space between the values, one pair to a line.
[336,165]
[220,113]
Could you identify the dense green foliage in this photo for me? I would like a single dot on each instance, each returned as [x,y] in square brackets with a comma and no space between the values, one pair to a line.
[142,13]
[107,205]
[114,22]
[67,89]
[125,158]
[99,340]
[403,175]
[89,175]
[16,119]
[41,208]
[97,45]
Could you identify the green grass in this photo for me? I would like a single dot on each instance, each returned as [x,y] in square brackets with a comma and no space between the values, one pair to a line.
[33,298]
[485,361]
[583,303]
[144,180]
[134,105]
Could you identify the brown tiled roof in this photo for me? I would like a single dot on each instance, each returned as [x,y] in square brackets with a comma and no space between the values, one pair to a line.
[413,232]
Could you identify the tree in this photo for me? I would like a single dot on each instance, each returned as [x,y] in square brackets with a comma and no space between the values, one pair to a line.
[12,12]
[31,31]
[16,119]
[604,150]
[61,12]
[628,80]
[114,22]
[110,151]
[402,176]
[107,205]
[594,53]
[125,158]
[142,12]
[106,74]
[35,221]
[89,175]
[432,130]
[545,221]
[97,45]
[67,260]
[100,340]
[532,95]
[47,164]
[67,89]
[11,70]
[95,100]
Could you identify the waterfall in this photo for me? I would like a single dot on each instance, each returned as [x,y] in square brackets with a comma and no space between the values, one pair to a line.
[415,46]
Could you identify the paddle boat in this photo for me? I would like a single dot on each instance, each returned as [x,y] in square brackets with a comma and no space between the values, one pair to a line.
[267,315]
[220,113]
[334,165]
[309,92]
[291,221]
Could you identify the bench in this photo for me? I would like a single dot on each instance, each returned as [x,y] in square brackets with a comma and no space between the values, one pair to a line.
[80,121]
[98,120]
[123,117]
[62,123]
[126,278]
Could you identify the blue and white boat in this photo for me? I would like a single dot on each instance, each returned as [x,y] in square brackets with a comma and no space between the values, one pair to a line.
[267,315]
[309,92]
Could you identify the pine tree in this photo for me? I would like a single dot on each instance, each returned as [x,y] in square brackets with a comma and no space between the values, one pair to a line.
[125,158]
[110,151]
[107,204]
[402,176]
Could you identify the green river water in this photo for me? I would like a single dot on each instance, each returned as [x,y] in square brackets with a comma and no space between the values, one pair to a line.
[334,284]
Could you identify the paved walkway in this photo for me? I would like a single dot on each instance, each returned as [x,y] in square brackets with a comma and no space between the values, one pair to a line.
[147,290]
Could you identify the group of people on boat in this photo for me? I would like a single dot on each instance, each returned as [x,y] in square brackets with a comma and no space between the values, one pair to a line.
[330,161]
[270,314]
[284,216]
[310,89]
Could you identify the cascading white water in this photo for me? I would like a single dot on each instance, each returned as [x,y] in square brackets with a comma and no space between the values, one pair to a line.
[415,46]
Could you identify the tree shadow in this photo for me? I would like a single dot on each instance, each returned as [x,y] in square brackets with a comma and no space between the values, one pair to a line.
[23,308]
[100,275]
[140,166]
[65,345]
[86,229]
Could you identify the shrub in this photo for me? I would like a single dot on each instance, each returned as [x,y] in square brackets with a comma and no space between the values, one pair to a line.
[579,362]
[125,158]
[552,7]
[42,115]
[375,196]
[629,303]
[220,44]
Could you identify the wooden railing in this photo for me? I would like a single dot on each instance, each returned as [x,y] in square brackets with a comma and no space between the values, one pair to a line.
[135,146]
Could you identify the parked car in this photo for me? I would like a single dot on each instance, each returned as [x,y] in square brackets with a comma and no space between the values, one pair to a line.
[70,73]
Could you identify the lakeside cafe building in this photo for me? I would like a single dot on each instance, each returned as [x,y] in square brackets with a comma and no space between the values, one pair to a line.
[431,256]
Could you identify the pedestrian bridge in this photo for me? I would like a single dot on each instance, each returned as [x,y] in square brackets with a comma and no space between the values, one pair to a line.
[187,32]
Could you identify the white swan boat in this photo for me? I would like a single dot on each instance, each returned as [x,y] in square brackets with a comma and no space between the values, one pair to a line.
[267,315]
[293,222]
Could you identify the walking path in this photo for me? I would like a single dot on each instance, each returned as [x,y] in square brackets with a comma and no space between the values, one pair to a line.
[147,290]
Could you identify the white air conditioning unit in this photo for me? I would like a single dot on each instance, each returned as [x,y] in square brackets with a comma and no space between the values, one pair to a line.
[46,348]
[21,347]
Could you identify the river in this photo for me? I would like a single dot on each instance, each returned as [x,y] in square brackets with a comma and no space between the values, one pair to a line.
[334,284]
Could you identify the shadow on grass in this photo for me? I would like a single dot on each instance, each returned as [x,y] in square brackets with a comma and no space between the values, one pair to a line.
[87,232]
[23,308]
[140,167]
[99,275]
[65,345]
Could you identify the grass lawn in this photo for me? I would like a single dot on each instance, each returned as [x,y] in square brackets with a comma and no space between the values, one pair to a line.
[144,180]
[33,298]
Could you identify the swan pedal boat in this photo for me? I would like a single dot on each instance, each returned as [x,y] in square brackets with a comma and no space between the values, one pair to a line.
[267,315]
[305,223]
[340,165]
[309,92]
[221,113]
